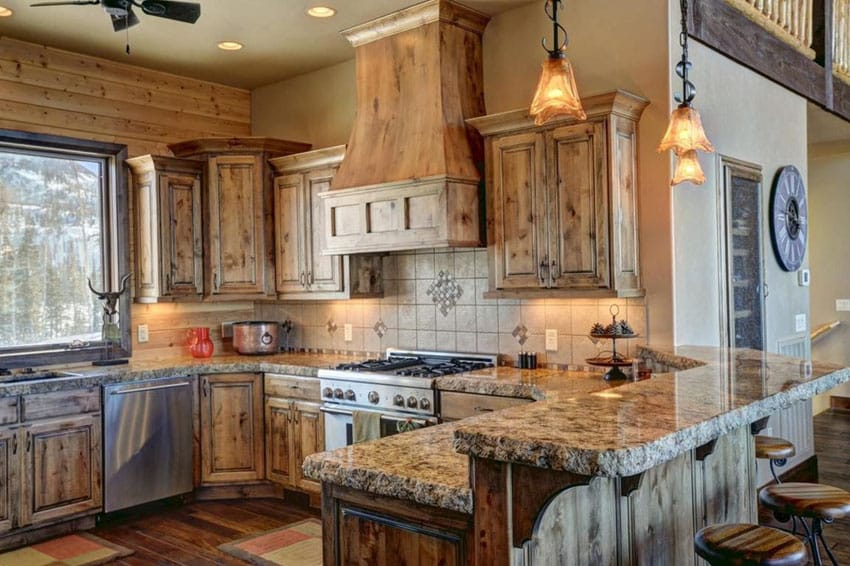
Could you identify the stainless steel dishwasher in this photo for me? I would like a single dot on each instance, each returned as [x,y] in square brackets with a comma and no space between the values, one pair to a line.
[147,446]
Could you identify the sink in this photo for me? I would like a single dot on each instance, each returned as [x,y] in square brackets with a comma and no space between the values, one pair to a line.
[36,375]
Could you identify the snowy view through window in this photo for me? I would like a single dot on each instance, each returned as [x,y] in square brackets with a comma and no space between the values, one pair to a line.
[50,243]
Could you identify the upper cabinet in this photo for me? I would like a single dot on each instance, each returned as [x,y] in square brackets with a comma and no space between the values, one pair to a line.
[562,200]
[302,271]
[204,220]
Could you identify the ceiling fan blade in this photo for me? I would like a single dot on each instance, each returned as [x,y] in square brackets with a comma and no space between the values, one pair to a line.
[188,12]
[68,3]
[120,23]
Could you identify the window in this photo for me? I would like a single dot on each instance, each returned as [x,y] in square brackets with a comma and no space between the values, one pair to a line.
[63,223]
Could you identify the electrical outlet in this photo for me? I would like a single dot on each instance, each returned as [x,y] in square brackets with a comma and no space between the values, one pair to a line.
[348,331]
[143,333]
[227,329]
[551,340]
[800,323]
[842,305]
[804,277]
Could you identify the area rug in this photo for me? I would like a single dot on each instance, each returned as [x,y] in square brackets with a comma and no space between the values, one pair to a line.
[80,549]
[298,544]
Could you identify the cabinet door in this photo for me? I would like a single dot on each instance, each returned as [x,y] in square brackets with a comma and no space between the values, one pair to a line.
[280,457]
[290,234]
[578,207]
[236,225]
[182,244]
[324,272]
[309,439]
[232,428]
[518,205]
[9,474]
[62,468]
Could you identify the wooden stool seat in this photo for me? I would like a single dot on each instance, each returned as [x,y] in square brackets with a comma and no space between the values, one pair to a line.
[773,448]
[749,544]
[813,500]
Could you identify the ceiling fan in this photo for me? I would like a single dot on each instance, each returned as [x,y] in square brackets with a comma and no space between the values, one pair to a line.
[121,11]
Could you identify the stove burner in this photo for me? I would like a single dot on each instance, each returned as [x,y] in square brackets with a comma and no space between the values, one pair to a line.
[444,368]
[389,364]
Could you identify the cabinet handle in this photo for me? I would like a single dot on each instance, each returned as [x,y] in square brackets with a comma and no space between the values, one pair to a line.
[215,281]
[302,279]
[168,282]
[15,444]
[309,278]
[205,388]
[295,416]
[29,442]
[544,265]
[482,410]
[555,272]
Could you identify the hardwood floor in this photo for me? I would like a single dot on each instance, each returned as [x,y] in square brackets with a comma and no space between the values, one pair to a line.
[190,534]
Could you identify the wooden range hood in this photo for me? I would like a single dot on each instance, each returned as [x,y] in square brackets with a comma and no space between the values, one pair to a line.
[410,178]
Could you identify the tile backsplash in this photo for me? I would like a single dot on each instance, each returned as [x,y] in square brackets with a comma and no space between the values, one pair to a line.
[434,300]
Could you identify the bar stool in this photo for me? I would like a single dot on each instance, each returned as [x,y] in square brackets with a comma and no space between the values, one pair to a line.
[777,450]
[821,504]
[722,545]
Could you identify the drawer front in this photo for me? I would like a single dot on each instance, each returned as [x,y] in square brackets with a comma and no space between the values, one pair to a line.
[455,406]
[60,403]
[9,410]
[292,387]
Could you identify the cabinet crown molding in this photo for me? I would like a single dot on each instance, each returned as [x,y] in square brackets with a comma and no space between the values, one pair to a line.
[617,102]
[299,162]
[201,146]
[146,163]
[416,16]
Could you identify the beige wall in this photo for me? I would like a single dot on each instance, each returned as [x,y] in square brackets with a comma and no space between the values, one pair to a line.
[619,44]
[829,201]
[752,119]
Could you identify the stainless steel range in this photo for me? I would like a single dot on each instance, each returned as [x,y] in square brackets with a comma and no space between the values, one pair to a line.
[400,387]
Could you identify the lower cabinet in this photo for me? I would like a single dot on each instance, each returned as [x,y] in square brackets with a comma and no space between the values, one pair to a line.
[9,474]
[294,430]
[231,428]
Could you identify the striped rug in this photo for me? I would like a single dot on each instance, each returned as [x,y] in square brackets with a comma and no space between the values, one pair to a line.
[298,544]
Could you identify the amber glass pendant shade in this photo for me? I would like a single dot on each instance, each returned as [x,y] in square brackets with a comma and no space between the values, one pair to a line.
[685,132]
[556,93]
[688,169]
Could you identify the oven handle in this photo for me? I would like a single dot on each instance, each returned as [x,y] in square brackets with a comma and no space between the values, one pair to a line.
[341,412]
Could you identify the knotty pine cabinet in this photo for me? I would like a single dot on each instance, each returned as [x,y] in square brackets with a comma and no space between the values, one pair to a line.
[238,208]
[231,428]
[562,200]
[301,270]
[169,237]
[50,458]
[295,428]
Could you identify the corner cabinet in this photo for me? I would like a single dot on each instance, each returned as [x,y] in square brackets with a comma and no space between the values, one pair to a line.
[562,200]
[302,271]
[169,238]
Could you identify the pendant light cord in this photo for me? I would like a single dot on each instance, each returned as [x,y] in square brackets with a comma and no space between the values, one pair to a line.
[683,68]
[559,46]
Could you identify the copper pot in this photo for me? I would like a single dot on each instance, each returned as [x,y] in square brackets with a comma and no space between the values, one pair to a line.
[256,337]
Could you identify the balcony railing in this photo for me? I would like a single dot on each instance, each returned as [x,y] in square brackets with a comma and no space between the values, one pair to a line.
[789,20]
[841,39]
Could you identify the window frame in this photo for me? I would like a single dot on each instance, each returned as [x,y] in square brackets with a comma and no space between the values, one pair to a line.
[115,219]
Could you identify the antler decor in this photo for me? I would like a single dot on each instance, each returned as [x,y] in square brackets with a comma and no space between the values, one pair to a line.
[111,330]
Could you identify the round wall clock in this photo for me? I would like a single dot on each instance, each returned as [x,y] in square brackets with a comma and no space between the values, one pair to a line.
[789,221]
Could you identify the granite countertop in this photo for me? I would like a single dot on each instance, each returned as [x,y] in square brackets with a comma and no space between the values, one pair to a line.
[580,424]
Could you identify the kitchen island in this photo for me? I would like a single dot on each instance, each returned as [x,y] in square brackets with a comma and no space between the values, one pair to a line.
[587,475]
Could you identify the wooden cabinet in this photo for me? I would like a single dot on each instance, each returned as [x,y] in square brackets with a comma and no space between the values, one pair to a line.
[562,200]
[238,213]
[295,428]
[302,271]
[231,428]
[61,468]
[169,240]
[9,474]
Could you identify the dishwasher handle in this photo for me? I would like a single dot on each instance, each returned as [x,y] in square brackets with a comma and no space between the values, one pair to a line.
[145,389]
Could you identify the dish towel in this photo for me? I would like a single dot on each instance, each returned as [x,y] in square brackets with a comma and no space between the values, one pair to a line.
[366,425]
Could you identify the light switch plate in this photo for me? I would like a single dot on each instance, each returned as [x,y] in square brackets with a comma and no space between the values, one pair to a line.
[143,335]
[348,331]
[804,277]
[551,339]
[800,323]
[842,305]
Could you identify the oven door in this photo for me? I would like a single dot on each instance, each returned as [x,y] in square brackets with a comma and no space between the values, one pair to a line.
[339,430]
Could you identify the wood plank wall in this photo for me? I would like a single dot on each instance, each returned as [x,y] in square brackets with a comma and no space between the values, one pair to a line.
[46,90]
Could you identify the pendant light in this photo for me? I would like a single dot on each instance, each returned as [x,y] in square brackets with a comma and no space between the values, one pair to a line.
[685,134]
[556,93]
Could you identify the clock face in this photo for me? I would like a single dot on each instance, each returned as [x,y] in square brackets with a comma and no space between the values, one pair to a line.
[789,220]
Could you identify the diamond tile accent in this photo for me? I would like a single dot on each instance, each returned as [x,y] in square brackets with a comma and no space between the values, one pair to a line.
[520,333]
[331,326]
[380,328]
[445,292]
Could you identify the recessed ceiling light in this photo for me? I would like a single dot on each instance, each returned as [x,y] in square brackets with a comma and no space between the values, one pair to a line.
[230,45]
[5,12]
[321,12]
